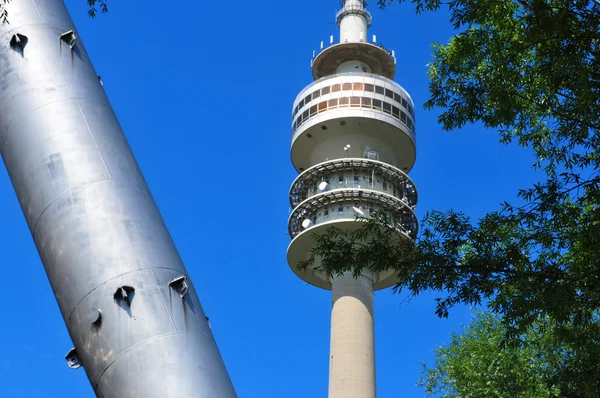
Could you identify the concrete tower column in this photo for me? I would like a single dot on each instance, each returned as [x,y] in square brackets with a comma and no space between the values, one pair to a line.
[353,21]
[352,351]
[353,150]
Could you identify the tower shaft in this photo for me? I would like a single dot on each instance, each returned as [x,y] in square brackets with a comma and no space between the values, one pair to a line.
[352,349]
[131,310]
[353,141]
[353,21]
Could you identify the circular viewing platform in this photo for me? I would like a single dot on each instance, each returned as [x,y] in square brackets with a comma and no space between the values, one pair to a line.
[300,248]
[347,204]
[377,57]
[357,109]
[353,173]
[314,98]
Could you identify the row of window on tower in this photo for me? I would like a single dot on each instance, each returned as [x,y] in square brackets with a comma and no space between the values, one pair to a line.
[354,102]
[342,210]
[365,181]
[365,87]
[345,210]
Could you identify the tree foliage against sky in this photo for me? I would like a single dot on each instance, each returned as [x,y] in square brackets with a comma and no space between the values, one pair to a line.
[95,6]
[475,365]
[528,69]
[3,11]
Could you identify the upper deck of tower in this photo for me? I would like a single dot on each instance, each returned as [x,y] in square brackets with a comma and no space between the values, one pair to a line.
[353,102]
[354,52]
[353,143]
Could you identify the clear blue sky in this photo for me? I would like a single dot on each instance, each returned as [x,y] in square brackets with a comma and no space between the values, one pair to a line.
[204,93]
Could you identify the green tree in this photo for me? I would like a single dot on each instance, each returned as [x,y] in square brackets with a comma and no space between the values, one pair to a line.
[100,4]
[95,6]
[476,365]
[530,70]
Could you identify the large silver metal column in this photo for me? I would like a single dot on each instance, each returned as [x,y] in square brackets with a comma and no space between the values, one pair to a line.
[132,312]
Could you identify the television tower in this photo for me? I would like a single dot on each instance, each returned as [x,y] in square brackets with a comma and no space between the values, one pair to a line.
[353,141]
[130,307]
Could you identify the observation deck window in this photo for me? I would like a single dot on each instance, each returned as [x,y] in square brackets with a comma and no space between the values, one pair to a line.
[326,214]
[355,102]
[356,180]
[356,86]
[385,186]
[341,210]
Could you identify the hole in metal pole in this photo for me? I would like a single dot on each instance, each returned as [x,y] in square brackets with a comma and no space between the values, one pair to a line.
[70,38]
[19,41]
[124,294]
[180,285]
[73,359]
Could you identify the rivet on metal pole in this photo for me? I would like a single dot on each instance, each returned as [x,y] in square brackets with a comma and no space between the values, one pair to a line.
[95,316]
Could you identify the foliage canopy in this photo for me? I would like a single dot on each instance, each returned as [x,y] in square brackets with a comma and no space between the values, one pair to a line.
[476,363]
[528,69]
[95,6]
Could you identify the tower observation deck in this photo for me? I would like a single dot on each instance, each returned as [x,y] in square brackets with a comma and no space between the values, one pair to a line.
[353,143]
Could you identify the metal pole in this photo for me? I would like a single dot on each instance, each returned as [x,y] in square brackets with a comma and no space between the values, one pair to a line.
[131,310]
